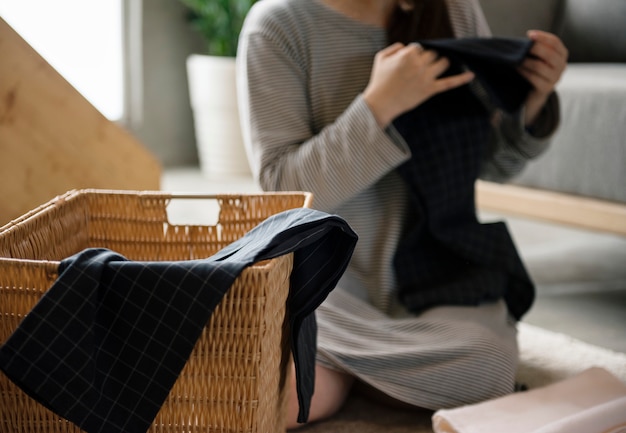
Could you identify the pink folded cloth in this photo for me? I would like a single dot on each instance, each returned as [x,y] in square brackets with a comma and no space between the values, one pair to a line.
[594,401]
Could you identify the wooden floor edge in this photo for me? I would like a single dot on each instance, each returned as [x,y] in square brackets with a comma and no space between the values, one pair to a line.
[562,208]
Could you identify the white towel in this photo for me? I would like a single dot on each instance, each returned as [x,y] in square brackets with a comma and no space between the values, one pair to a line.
[594,401]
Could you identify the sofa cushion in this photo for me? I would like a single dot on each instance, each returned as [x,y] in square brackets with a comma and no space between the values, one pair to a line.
[594,30]
[588,152]
[512,18]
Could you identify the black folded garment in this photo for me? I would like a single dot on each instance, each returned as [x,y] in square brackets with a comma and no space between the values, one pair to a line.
[447,256]
[494,61]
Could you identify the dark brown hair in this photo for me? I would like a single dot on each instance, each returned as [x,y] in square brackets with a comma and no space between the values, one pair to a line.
[428,19]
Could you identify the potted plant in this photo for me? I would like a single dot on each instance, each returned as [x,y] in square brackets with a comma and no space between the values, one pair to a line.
[212,85]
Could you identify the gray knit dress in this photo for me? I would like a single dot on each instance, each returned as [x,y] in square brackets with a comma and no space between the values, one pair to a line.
[302,68]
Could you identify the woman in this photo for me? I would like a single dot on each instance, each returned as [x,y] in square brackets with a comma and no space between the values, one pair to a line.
[321,82]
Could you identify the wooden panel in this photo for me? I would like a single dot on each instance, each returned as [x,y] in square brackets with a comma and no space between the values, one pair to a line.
[53,140]
[552,206]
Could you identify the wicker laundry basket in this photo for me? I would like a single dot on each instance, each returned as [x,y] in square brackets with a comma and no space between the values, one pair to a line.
[243,354]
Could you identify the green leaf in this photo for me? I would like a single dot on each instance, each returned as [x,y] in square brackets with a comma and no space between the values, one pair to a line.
[219,22]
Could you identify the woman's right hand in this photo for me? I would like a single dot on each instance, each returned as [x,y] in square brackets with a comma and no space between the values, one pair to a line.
[404,76]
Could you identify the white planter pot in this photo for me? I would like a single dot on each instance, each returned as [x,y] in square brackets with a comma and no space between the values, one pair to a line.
[213,95]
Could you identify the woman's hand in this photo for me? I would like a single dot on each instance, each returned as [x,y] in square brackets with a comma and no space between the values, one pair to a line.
[543,69]
[404,76]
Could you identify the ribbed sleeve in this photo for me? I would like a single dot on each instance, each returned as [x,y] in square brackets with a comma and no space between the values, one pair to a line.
[295,135]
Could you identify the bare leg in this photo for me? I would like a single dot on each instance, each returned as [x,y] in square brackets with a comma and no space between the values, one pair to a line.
[372,393]
[331,390]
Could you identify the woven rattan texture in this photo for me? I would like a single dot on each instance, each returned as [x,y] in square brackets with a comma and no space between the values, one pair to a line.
[235,379]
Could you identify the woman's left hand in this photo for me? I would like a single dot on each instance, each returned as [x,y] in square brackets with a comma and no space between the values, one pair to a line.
[543,69]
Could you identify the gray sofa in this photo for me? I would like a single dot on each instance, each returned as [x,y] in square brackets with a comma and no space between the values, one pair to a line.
[588,154]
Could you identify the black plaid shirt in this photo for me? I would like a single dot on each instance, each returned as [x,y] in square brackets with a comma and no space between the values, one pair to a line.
[107,341]
[448,257]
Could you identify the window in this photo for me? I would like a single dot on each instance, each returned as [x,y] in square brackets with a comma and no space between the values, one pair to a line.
[82,40]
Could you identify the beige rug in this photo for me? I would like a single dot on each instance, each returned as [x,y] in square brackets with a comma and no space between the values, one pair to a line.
[546,357]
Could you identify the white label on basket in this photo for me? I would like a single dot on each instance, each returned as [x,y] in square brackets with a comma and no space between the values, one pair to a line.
[194,212]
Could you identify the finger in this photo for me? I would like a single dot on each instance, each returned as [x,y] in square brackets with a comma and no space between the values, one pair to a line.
[439,66]
[548,55]
[418,47]
[429,56]
[424,55]
[550,40]
[538,82]
[448,83]
[391,49]
[547,38]
[541,69]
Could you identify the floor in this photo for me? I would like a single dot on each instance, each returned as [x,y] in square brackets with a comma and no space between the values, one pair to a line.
[580,275]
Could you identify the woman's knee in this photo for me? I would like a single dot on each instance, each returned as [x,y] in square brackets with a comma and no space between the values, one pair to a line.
[493,363]
[331,389]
